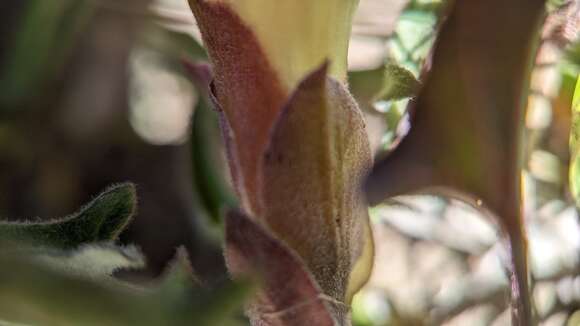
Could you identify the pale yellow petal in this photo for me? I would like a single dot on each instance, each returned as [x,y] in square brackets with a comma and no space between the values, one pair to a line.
[298,35]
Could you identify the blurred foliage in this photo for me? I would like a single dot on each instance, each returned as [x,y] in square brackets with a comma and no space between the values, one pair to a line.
[45,34]
[388,83]
[214,192]
[65,254]
[385,91]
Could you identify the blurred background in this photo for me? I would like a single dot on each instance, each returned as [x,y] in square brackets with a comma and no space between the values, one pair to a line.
[93,92]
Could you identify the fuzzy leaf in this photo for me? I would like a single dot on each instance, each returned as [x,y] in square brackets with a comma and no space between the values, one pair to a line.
[247,91]
[56,298]
[289,295]
[311,173]
[95,260]
[253,83]
[467,122]
[399,83]
[102,219]
[387,83]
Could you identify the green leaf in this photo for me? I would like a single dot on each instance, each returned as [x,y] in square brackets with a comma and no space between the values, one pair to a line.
[56,298]
[103,219]
[32,292]
[173,43]
[212,193]
[414,34]
[386,83]
[209,180]
[399,83]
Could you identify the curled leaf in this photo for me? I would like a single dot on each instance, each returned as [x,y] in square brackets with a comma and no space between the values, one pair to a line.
[103,219]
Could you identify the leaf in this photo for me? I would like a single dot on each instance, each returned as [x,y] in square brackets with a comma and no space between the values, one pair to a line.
[411,41]
[289,295]
[209,180]
[311,173]
[253,83]
[95,260]
[247,91]
[213,193]
[56,298]
[467,120]
[102,219]
[399,84]
[33,292]
[193,303]
[386,83]
[174,44]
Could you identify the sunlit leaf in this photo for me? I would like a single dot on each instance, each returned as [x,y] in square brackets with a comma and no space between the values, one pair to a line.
[36,293]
